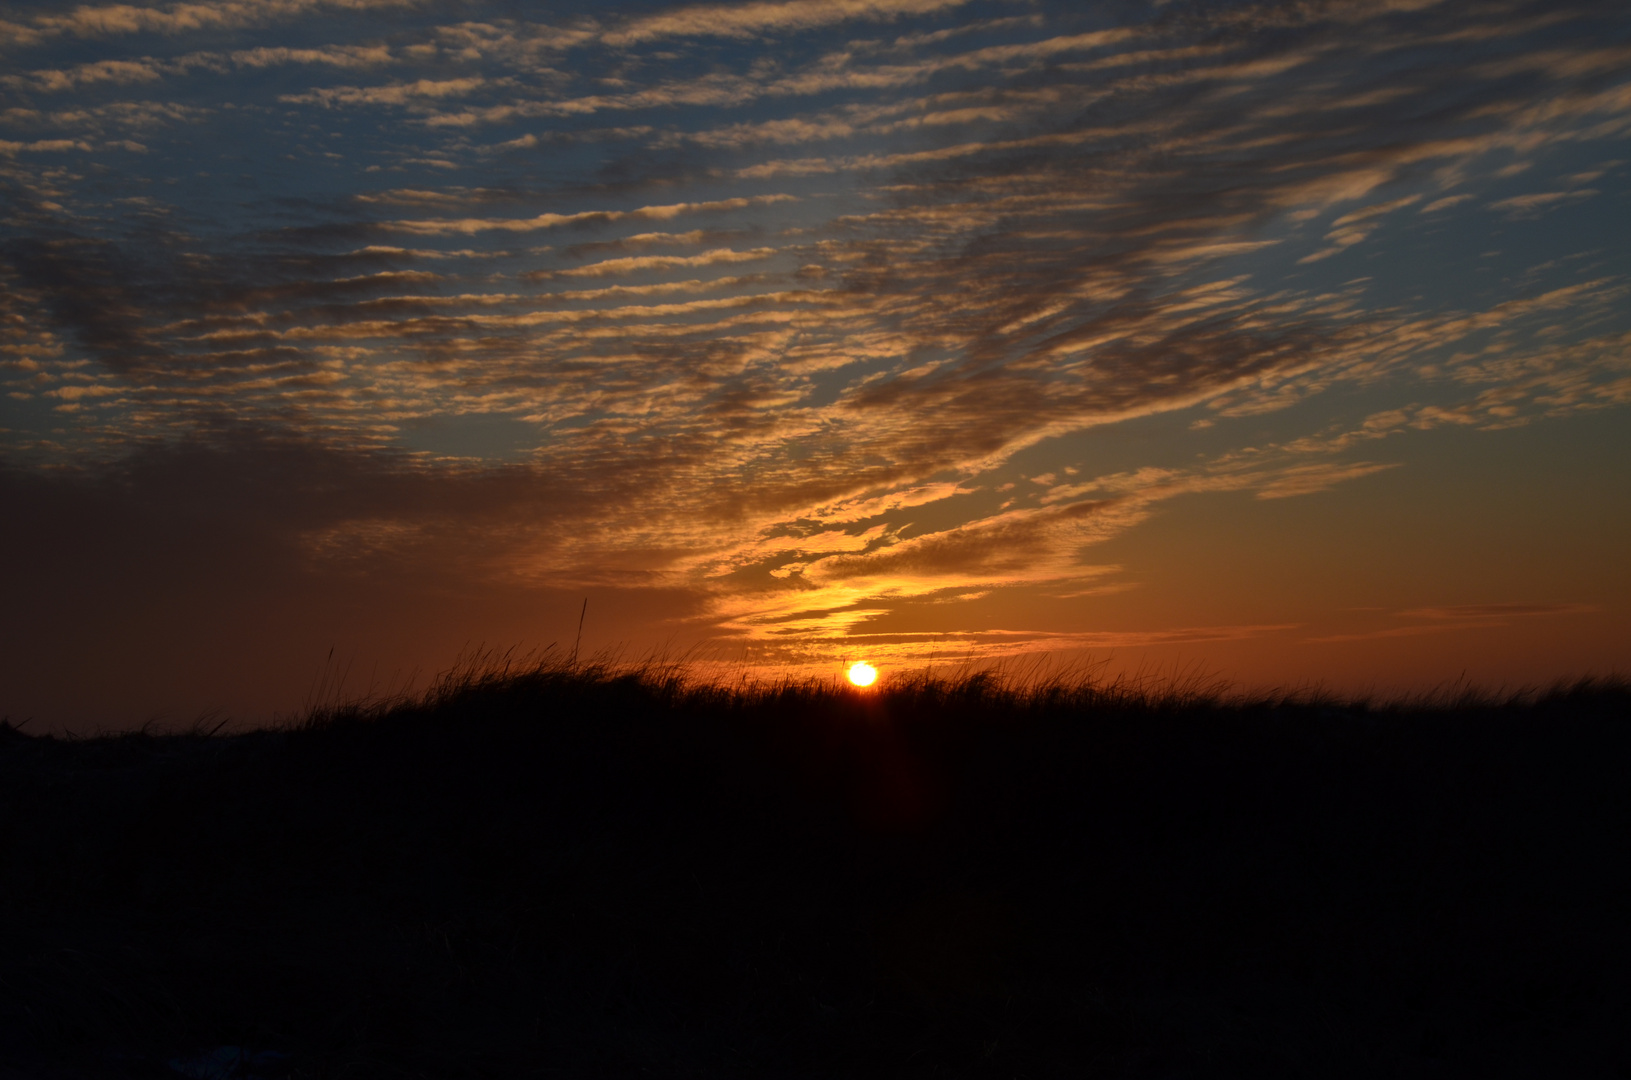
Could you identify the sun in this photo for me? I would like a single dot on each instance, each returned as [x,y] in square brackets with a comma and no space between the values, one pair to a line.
[862,673]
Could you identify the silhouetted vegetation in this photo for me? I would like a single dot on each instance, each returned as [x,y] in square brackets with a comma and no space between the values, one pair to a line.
[580,871]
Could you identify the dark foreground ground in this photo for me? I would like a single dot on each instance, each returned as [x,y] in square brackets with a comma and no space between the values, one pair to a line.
[570,874]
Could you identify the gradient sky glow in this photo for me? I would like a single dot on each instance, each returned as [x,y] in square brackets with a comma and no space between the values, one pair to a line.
[1289,340]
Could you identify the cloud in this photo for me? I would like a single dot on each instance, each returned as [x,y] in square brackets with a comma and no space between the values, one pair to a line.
[1309,479]
[825,75]
[756,19]
[89,20]
[637,263]
[1445,203]
[149,69]
[344,56]
[43,146]
[118,72]
[1532,205]
[393,94]
[668,212]
[994,237]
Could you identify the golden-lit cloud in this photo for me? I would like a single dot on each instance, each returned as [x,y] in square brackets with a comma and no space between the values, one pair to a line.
[752,19]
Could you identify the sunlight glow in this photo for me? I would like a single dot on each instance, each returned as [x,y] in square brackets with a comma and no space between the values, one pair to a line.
[862,673]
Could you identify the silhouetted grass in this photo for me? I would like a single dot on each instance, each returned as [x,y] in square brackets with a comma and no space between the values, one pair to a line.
[545,868]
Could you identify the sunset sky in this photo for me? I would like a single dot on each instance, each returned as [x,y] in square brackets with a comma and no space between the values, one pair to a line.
[1289,342]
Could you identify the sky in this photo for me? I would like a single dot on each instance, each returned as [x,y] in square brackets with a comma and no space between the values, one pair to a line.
[1282,343]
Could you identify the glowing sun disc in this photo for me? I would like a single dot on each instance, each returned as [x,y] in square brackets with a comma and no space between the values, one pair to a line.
[862,674]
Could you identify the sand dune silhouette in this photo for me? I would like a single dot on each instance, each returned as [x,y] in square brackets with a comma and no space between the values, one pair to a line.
[580,870]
